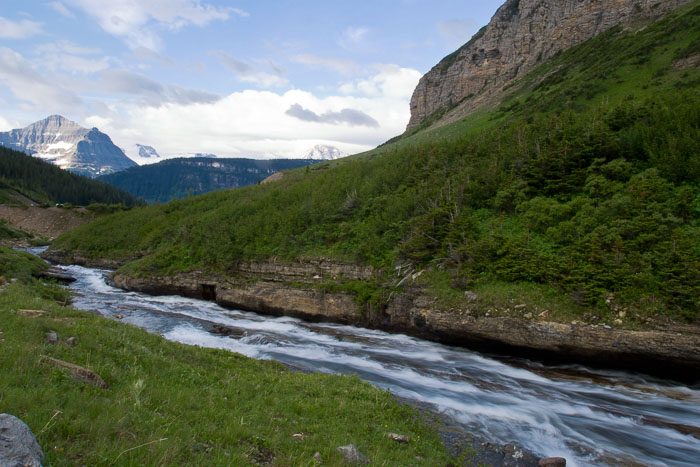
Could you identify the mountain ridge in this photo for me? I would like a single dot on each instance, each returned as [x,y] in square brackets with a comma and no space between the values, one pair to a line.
[521,35]
[68,145]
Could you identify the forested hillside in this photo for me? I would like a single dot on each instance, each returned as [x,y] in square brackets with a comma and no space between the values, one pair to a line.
[45,183]
[178,178]
[584,184]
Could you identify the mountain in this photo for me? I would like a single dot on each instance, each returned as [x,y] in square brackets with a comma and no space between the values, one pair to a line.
[68,145]
[147,152]
[572,200]
[324,153]
[30,180]
[181,177]
[521,35]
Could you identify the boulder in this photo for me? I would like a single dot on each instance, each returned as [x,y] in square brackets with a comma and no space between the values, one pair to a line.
[18,446]
[353,455]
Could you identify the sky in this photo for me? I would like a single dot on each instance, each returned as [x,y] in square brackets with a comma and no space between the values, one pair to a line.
[249,78]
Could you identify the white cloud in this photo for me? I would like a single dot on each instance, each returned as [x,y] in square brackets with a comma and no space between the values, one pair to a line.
[257,123]
[353,38]
[392,81]
[5,125]
[70,57]
[137,22]
[61,9]
[458,32]
[250,74]
[21,30]
[344,67]
[28,85]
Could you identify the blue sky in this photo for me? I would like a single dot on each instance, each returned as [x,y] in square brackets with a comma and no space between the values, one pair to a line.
[243,78]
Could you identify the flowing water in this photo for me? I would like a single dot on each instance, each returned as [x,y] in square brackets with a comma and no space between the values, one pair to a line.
[588,416]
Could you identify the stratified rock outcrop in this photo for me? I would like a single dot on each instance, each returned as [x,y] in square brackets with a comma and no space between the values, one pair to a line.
[521,35]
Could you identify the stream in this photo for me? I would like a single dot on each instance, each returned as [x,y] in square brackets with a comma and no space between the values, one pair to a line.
[588,416]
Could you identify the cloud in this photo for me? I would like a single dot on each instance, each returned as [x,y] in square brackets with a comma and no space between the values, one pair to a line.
[70,57]
[458,32]
[265,124]
[352,37]
[151,93]
[391,81]
[251,74]
[344,67]
[61,9]
[21,30]
[137,22]
[350,116]
[28,85]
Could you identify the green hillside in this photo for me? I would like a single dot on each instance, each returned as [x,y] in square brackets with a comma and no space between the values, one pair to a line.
[178,178]
[25,179]
[582,184]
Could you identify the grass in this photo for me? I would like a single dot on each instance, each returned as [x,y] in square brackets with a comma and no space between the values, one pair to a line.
[173,404]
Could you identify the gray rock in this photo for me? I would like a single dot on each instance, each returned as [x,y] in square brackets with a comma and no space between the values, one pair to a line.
[353,455]
[18,446]
[51,337]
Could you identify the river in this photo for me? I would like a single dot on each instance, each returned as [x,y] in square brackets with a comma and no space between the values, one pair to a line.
[587,415]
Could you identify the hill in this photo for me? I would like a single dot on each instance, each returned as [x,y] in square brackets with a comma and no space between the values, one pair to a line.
[576,198]
[178,178]
[68,145]
[27,180]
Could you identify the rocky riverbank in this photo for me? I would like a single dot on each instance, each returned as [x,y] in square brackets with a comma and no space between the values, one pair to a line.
[296,289]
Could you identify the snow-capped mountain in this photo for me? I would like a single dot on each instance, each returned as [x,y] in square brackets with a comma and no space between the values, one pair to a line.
[147,152]
[68,145]
[324,152]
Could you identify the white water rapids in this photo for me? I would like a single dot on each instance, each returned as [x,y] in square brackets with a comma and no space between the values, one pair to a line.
[588,416]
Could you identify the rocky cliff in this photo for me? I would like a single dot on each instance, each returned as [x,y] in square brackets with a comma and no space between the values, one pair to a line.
[521,35]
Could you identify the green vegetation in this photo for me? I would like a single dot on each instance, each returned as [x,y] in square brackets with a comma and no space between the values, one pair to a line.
[19,265]
[172,404]
[182,177]
[583,183]
[22,176]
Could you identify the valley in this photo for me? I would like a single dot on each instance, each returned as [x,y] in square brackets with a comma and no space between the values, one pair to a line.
[513,279]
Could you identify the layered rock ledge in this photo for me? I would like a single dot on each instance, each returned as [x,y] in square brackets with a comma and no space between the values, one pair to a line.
[297,290]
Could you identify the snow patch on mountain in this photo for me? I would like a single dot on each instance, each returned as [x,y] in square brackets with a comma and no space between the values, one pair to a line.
[324,152]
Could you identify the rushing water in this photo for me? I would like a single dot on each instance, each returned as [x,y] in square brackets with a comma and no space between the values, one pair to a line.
[588,416]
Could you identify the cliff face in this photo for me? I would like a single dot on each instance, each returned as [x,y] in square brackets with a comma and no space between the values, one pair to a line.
[521,35]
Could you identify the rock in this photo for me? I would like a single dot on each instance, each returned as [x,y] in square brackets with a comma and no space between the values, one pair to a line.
[31,313]
[528,315]
[78,372]
[51,337]
[521,35]
[317,457]
[299,436]
[119,316]
[520,306]
[353,455]
[399,438]
[552,462]
[617,322]
[71,341]
[18,446]
[471,296]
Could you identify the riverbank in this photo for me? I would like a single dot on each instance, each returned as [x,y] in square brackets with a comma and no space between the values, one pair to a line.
[302,290]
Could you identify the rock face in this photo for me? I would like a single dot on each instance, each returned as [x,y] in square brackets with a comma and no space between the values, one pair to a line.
[18,446]
[298,290]
[68,145]
[521,35]
[147,152]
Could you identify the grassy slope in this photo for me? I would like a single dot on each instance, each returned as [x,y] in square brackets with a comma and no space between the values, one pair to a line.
[172,404]
[581,185]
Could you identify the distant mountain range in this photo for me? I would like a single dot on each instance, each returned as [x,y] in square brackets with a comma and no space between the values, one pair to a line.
[178,178]
[68,145]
